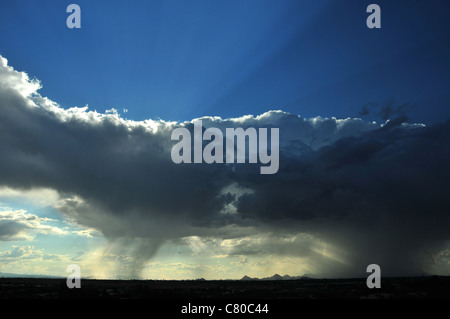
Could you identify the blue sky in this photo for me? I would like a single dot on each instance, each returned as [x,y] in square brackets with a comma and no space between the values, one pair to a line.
[100,190]
[178,60]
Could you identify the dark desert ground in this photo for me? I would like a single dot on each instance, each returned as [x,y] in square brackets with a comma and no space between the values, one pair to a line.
[427,287]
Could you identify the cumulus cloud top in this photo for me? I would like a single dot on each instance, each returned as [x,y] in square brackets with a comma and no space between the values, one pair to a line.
[376,191]
[16,225]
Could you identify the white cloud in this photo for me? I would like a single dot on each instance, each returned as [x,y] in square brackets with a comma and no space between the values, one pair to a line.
[38,197]
[28,259]
[89,232]
[22,252]
[18,81]
[21,225]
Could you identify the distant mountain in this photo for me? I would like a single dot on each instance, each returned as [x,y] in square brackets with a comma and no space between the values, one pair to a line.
[10,275]
[276,277]
[247,278]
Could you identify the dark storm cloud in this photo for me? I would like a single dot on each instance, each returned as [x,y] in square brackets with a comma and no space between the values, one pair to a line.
[10,229]
[387,110]
[384,194]
[378,191]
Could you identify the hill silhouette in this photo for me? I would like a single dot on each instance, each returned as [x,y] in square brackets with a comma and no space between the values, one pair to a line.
[275,277]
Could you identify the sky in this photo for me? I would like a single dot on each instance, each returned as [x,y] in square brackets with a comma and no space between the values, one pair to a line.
[86,117]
